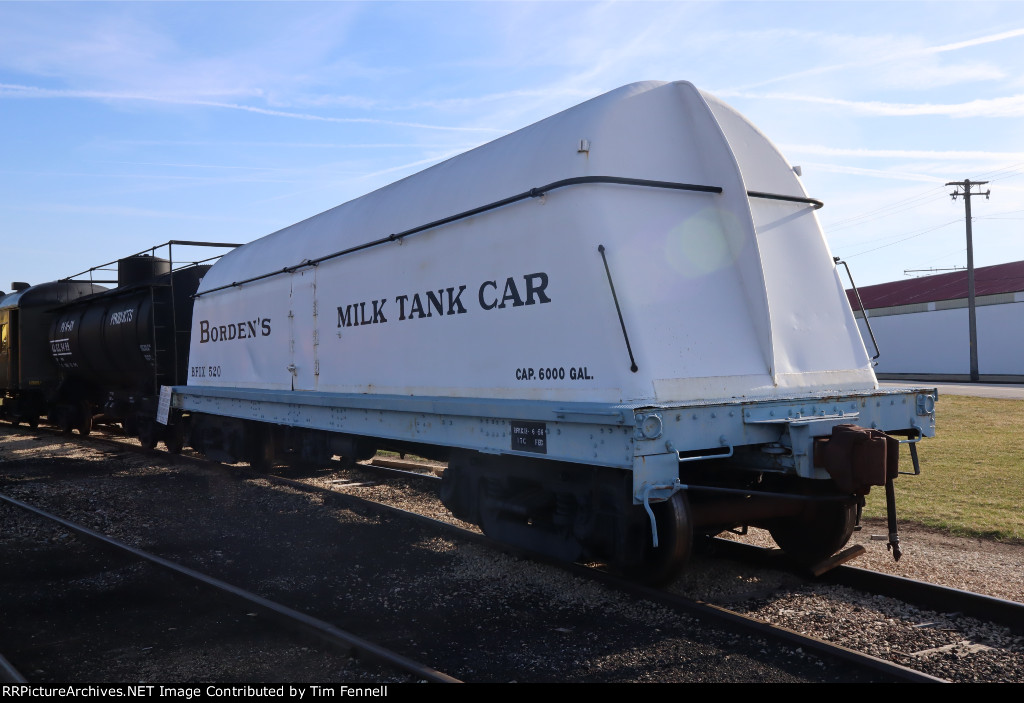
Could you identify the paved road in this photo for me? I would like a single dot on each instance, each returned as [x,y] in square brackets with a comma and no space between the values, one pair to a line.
[980,390]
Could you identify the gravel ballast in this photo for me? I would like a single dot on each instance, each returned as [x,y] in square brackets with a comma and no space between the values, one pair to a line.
[468,611]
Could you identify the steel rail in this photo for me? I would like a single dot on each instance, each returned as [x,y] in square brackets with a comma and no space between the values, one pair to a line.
[732,618]
[665,598]
[919,593]
[401,468]
[932,596]
[750,624]
[324,630]
[8,674]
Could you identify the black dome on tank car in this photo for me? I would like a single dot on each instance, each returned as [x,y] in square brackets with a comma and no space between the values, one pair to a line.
[139,268]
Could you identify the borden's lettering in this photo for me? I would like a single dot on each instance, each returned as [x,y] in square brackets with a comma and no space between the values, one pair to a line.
[241,329]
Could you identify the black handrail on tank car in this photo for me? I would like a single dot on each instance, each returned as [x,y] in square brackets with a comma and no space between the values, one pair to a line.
[151,251]
[788,198]
[629,348]
[864,312]
[532,193]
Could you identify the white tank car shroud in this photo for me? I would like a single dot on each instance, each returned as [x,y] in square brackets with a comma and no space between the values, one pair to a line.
[722,295]
[616,320]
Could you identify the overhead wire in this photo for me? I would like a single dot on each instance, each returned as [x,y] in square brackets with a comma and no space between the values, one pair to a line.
[890,209]
[923,198]
[904,239]
[914,201]
[1014,170]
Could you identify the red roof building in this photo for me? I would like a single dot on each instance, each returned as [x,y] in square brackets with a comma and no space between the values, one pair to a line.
[988,280]
[921,325]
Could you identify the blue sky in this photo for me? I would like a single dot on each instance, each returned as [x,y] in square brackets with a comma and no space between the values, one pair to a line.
[124,125]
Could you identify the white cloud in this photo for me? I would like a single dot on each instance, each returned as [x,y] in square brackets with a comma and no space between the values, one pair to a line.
[874,172]
[821,150]
[902,67]
[1008,106]
[21,91]
[179,49]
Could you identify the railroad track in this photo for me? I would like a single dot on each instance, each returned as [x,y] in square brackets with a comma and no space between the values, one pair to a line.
[704,610]
[956,603]
[288,618]
[723,617]
[492,616]
[919,593]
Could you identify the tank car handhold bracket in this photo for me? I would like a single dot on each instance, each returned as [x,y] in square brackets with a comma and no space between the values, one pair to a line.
[913,434]
[728,452]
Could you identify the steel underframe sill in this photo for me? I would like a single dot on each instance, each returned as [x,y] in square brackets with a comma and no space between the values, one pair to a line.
[644,439]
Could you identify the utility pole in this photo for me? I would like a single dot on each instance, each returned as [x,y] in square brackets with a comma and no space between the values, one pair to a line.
[966,184]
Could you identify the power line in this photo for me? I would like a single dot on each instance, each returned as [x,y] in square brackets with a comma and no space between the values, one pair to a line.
[913,236]
[996,215]
[914,201]
[887,210]
[1015,169]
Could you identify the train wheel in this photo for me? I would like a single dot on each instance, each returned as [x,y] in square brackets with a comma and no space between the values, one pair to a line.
[262,450]
[147,433]
[65,420]
[175,439]
[816,534]
[84,418]
[660,565]
[130,425]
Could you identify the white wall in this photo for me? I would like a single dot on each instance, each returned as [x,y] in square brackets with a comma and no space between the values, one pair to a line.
[937,341]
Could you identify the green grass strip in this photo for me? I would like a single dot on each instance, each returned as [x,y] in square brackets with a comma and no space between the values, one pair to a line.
[972,472]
